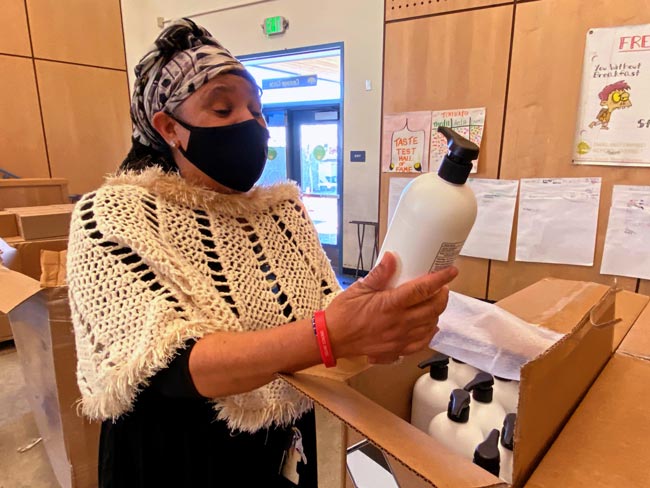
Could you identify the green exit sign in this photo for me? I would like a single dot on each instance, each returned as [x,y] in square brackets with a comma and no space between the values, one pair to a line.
[275,25]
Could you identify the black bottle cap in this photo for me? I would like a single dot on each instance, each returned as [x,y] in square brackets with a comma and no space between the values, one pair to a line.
[438,366]
[508,431]
[458,408]
[481,387]
[457,164]
[487,454]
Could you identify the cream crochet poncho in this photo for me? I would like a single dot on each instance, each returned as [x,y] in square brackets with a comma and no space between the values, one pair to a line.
[154,262]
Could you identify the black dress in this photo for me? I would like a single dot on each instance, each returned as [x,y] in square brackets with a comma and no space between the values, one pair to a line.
[171,439]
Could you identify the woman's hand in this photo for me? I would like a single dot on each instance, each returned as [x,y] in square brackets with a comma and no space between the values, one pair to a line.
[369,319]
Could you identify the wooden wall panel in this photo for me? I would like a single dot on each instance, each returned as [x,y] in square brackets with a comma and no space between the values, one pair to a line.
[406,9]
[22,148]
[87,123]
[545,81]
[428,66]
[14,35]
[78,31]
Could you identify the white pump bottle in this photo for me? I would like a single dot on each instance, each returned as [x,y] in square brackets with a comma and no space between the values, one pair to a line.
[487,454]
[434,215]
[486,413]
[506,392]
[462,373]
[431,391]
[506,447]
[452,428]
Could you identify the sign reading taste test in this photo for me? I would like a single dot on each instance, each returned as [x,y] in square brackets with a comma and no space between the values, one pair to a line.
[405,142]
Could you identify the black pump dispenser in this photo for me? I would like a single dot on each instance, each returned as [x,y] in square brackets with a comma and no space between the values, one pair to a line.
[487,454]
[481,387]
[458,409]
[457,164]
[508,431]
[438,366]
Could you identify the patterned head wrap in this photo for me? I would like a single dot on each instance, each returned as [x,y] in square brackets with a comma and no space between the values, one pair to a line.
[183,58]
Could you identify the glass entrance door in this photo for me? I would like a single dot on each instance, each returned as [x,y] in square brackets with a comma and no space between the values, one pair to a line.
[305,147]
[316,150]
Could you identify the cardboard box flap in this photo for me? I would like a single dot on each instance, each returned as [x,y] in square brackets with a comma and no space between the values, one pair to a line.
[53,268]
[632,311]
[555,304]
[606,443]
[553,384]
[16,288]
[402,441]
[637,341]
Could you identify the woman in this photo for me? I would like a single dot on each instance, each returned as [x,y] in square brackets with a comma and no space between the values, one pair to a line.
[190,290]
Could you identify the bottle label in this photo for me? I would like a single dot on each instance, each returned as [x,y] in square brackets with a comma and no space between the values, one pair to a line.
[446,256]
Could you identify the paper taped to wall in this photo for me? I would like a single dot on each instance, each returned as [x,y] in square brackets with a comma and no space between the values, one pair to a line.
[490,236]
[395,189]
[558,219]
[627,245]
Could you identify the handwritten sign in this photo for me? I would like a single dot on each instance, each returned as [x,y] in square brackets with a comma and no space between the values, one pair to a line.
[614,110]
[405,144]
[468,122]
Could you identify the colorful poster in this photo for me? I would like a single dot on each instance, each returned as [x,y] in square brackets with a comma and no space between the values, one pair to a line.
[628,233]
[468,122]
[405,142]
[614,111]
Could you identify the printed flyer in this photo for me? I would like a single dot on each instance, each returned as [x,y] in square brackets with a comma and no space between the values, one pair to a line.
[614,110]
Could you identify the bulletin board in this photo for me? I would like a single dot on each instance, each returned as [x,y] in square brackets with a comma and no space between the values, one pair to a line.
[523,63]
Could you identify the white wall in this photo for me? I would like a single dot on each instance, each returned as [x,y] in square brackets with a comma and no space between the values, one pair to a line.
[356,23]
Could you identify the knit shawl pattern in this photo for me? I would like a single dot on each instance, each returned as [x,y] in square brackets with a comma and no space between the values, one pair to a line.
[155,261]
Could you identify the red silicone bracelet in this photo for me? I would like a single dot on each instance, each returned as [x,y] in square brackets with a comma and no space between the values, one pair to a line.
[323,339]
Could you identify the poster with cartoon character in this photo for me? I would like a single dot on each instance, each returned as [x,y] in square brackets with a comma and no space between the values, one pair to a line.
[614,110]
[405,142]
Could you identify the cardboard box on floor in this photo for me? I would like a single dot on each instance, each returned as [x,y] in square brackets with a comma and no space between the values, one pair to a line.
[44,221]
[40,320]
[28,258]
[375,400]
[606,443]
[27,192]
[27,262]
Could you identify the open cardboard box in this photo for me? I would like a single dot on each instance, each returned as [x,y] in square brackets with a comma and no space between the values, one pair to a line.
[606,443]
[375,400]
[39,315]
[44,221]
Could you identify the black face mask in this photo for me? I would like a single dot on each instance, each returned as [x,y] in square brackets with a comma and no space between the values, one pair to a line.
[232,155]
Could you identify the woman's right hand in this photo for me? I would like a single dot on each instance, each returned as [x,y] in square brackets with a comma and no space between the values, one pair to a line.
[370,319]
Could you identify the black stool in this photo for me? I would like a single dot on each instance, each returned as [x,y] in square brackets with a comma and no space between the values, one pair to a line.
[361,235]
